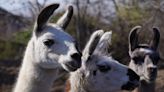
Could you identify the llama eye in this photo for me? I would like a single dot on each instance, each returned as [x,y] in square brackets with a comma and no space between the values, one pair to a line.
[138,60]
[104,68]
[48,42]
[94,72]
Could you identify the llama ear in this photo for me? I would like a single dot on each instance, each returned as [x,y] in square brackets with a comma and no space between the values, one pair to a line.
[92,43]
[104,42]
[44,16]
[154,43]
[65,19]
[133,38]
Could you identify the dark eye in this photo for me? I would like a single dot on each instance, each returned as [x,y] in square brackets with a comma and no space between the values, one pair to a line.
[104,68]
[138,60]
[49,42]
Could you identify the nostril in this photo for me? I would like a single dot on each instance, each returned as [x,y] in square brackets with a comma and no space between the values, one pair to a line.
[132,75]
[152,69]
[76,56]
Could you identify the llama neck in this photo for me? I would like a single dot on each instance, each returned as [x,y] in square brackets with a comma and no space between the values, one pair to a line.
[33,78]
[76,82]
[145,87]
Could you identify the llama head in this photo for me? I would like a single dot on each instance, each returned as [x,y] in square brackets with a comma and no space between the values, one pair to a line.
[53,47]
[102,73]
[144,57]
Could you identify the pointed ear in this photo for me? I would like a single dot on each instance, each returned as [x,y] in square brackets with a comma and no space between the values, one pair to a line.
[133,38]
[155,42]
[104,42]
[65,19]
[44,16]
[92,43]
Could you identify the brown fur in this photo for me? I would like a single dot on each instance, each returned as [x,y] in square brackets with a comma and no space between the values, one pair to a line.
[67,86]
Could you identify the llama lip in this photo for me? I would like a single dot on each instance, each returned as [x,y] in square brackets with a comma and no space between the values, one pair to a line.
[72,66]
[153,77]
[131,85]
[150,79]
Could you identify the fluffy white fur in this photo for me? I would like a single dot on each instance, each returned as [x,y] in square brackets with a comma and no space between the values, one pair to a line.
[91,77]
[33,78]
[48,51]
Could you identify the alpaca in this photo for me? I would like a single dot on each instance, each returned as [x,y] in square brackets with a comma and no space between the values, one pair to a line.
[49,50]
[99,72]
[144,59]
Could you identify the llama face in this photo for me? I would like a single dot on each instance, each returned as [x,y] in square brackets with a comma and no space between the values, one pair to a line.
[144,61]
[54,48]
[144,57]
[100,72]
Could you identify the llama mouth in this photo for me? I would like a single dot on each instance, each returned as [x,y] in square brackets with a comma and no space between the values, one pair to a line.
[130,85]
[150,79]
[71,66]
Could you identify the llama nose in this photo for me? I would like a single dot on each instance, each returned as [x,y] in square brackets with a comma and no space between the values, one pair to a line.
[133,81]
[76,56]
[132,75]
[152,73]
[152,69]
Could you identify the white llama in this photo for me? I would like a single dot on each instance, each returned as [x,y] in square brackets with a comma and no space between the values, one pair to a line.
[144,59]
[99,72]
[49,50]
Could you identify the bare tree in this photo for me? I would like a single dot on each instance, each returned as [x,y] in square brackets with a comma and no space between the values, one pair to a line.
[90,15]
[35,7]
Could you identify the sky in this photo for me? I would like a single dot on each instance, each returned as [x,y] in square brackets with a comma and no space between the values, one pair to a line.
[22,7]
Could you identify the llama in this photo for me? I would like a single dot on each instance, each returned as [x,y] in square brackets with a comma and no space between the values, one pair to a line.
[99,72]
[49,50]
[144,59]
